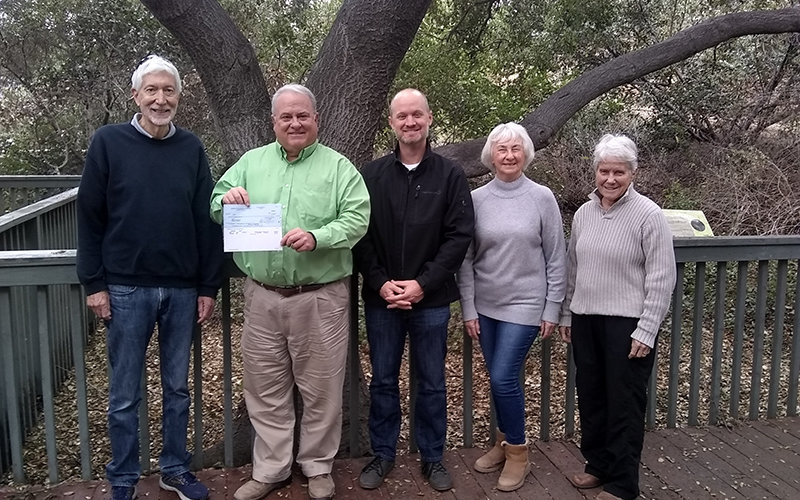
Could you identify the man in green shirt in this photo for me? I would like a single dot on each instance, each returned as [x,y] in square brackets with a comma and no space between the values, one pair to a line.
[296,299]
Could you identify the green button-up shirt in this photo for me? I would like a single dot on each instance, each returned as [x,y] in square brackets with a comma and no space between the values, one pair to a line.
[320,192]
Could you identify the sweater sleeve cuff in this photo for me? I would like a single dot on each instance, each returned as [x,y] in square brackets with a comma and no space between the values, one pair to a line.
[468,310]
[551,311]
[566,318]
[94,287]
[648,339]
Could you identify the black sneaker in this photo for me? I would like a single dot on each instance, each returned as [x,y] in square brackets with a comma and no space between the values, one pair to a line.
[185,485]
[373,474]
[437,476]
[123,492]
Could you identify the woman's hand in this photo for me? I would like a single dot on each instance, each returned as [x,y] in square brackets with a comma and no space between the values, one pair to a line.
[473,328]
[546,328]
[566,333]
[638,350]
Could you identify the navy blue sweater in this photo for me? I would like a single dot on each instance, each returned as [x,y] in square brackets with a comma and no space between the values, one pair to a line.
[143,213]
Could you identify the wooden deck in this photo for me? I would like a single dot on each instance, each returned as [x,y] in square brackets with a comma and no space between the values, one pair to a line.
[755,460]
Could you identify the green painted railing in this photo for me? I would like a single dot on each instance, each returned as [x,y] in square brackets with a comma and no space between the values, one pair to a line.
[730,339]
[17,191]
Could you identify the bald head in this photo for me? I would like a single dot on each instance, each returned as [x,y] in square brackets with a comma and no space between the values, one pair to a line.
[410,118]
[409,94]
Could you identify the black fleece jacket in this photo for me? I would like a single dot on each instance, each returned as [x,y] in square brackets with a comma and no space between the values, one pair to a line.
[420,227]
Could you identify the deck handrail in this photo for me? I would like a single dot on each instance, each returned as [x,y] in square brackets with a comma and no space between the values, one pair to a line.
[17,191]
[762,300]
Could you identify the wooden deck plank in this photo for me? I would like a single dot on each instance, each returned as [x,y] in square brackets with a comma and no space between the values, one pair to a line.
[679,467]
[781,435]
[713,456]
[747,456]
[470,484]
[752,460]
[550,470]
[483,484]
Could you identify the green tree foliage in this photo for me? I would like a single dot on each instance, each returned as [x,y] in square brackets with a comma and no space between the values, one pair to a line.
[65,67]
[286,34]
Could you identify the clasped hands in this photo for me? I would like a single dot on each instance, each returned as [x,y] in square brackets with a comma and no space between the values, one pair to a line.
[401,294]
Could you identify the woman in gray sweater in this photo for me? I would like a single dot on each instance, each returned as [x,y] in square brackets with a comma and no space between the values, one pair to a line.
[512,283]
[621,275]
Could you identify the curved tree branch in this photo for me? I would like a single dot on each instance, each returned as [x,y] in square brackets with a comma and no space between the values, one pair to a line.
[544,121]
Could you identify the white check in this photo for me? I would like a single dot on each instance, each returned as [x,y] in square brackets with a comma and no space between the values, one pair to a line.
[251,229]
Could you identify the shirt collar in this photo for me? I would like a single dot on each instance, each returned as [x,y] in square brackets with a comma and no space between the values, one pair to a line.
[622,199]
[138,126]
[304,153]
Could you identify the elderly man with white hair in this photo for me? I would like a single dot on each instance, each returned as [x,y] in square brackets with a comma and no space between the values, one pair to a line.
[148,254]
[621,275]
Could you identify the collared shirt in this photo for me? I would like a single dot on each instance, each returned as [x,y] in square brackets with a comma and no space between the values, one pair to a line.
[321,192]
[138,126]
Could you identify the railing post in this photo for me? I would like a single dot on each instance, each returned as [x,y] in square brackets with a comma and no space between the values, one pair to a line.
[569,400]
[45,357]
[794,363]
[675,348]
[76,330]
[777,340]
[197,357]
[227,372]
[719,331]
[468,386]
[544,405]
[697,340]
[15,430]
[758,338]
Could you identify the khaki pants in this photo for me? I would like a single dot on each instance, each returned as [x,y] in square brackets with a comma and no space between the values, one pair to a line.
[300,340]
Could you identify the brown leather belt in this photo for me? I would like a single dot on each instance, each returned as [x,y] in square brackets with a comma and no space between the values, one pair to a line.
[288,291]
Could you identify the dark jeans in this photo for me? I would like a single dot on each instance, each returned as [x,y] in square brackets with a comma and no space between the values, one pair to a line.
[505,347]
[427,332]
[134,313]
[612,399]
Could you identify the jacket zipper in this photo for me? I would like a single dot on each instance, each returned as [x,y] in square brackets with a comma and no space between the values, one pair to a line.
[405,224]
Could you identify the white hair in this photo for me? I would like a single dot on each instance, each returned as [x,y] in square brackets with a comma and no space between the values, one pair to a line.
[506,132]
[616,147]
[154,64]
[297,89]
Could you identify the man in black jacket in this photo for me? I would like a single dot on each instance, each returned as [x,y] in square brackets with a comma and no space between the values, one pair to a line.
[420,228]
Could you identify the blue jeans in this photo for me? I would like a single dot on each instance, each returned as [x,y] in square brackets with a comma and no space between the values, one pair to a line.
[134,312]
[386,333]
[505,347]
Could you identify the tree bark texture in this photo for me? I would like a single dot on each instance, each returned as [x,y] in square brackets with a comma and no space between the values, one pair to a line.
[227,64]
[355,68]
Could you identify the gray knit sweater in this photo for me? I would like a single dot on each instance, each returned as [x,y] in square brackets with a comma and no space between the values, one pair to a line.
[621,263]
[515,268]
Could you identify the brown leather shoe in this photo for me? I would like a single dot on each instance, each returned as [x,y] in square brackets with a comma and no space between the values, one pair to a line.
[604,495]
[585,480]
